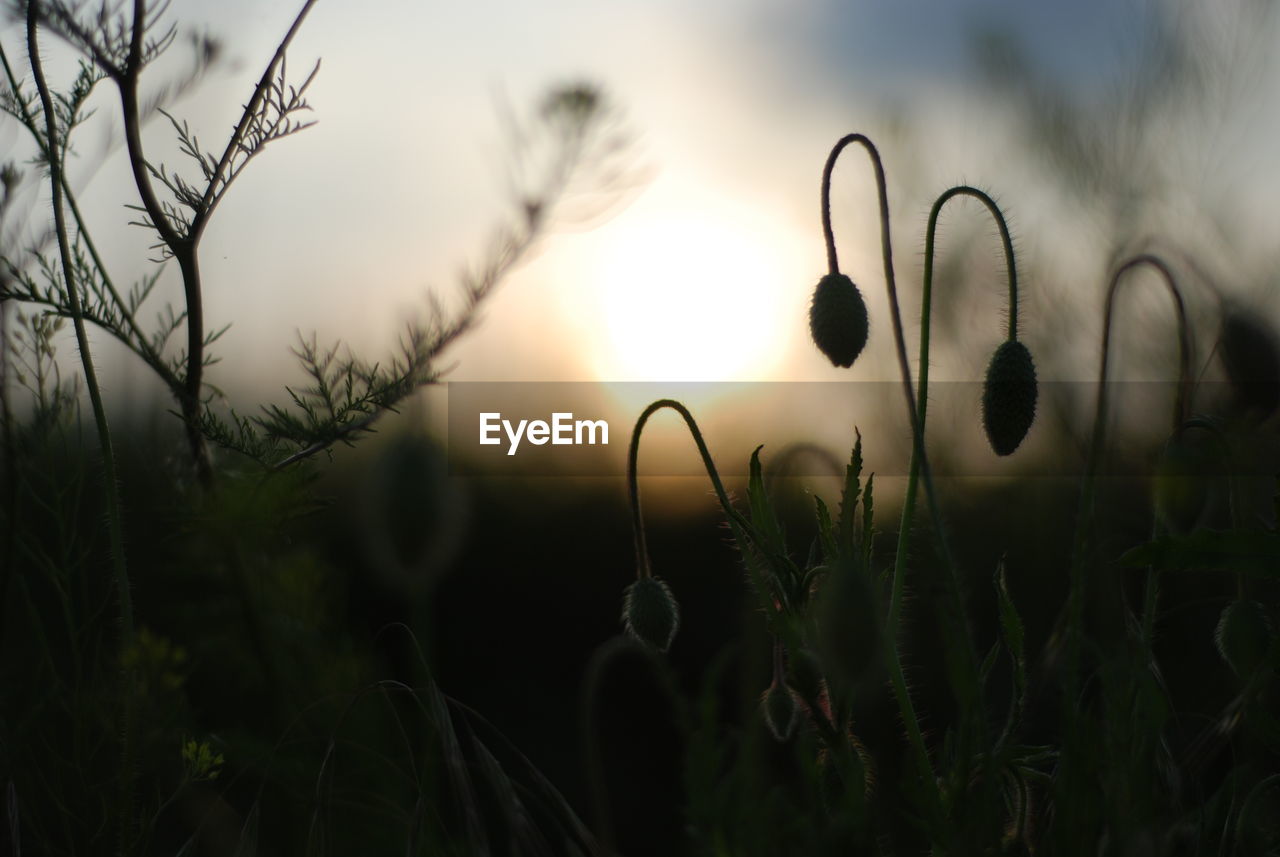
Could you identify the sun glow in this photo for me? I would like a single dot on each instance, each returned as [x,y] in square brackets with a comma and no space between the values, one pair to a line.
[692,296]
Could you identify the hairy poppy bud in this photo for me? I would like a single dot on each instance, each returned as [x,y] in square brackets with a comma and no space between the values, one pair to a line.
[1244,636]
[649,612]
[781,710]
[838,319]
[1009,397]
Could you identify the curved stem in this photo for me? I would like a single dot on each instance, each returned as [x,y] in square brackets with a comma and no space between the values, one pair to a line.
[735,518]
[633,486]
[82,337]
[926,307]
[922,391]
[922,400]
[966,687]
[886,250]
[111,488]
[1075,596]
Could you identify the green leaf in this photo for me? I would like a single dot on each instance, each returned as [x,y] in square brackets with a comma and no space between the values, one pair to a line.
[868,523]
[852,491]
[763,517]
[1014,635]
[989,662]
[1253,552]
[826,532]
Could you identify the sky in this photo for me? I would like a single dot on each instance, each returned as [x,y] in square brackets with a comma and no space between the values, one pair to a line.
[704,269]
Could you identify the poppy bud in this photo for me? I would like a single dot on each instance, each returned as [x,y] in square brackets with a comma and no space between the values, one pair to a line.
[781,710]
[1009,397]
[838,319]
[1244,636]
[649,612]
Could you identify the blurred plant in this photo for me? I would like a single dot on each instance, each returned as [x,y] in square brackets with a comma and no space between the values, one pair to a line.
[51,580]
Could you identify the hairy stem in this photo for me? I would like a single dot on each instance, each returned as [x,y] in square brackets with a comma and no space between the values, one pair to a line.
[633,485]
[922,391]
[966,659]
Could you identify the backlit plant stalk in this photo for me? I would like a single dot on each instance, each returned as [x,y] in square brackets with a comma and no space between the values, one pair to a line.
[918,462]
[922,393]
[650,612]
[965,658]
[1084,517]
[53,153]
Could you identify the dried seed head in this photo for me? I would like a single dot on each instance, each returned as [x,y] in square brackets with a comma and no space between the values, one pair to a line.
[781,710]
[1244,637]
[838,319]
[1009,397]
[649,612]
[1251,357]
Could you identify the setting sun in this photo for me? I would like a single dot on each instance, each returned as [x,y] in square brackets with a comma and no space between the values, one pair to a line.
[691,296]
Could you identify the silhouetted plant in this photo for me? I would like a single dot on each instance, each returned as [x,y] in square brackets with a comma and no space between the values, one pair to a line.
[1110,780]
[573,143]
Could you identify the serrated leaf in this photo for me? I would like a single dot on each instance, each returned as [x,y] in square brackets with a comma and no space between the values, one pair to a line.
[1010,622]
[868,523]
[1013,634]
[826,532]
[852,491]
[763,518]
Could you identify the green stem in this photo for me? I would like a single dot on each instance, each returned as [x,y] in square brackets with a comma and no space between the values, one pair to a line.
[633,485]
[1084,515]
[922,393]
[922,402]
[967,686]
[111,487]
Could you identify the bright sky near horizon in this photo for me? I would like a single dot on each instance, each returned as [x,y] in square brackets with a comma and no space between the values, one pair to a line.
[705,274]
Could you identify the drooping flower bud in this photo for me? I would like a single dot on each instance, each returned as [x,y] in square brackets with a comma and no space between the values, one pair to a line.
[838,319]
[1009,397]
[1244,636]
[781,710]
[650,613]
